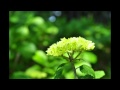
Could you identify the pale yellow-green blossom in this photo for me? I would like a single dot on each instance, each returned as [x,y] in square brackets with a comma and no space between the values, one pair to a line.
[70,45]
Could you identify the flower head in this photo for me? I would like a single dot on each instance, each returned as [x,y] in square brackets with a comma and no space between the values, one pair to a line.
[70,45]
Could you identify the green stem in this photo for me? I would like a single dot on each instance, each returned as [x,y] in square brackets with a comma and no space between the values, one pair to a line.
[72,64]
[78,55]
[74,70]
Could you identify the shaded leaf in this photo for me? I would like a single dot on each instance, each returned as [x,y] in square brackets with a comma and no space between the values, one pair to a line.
[20,75]
[58,74]
[87,70]
[61,65]
[86,77]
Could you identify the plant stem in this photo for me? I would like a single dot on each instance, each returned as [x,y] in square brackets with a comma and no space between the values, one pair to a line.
[78,55]
[74,70]
[72,64]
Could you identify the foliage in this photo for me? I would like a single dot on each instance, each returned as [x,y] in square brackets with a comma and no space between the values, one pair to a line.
[31,33]
[70,46]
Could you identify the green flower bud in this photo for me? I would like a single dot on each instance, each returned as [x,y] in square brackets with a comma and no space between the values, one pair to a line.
[70,45]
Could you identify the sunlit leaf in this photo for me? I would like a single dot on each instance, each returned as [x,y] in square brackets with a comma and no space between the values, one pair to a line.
[52,30]
[23,31]
[40,57]
[99,74]
[38,21]
[69,75]
[36,74]
[89,56]
[82,62]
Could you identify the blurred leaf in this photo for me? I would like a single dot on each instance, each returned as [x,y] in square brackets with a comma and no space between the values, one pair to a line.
[87,70]
[38,21]
[99,74]
[34,67]
[27,49]
[35,74]
[11,55]
[40,57]
[52,30]
[13,19]
[69,75]
[50,71]
[89,56]
[23,31]
[45,43]
[20,75]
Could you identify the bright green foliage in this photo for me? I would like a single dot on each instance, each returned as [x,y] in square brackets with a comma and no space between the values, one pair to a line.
[99,74]
[52,30]
[40,57]
[31,33]
[35,74]
[70,46]
[89,57]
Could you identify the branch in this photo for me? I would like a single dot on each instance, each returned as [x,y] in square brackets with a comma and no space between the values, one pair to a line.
[77,55]
[74,70]
[65,57]
[68,54]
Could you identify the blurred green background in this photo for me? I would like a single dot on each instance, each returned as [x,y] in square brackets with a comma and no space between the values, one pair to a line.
[32,32]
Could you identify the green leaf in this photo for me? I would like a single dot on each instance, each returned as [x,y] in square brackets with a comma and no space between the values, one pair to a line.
[90,57]
[58,74]
[99,74]
[35,72]
[82,62]
[52,30]
[20,75]
[87,70]
[61,65]
[22,31]
[40,57]
[27,49]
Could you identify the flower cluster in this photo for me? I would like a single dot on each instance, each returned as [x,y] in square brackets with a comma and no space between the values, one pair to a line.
[70,45]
